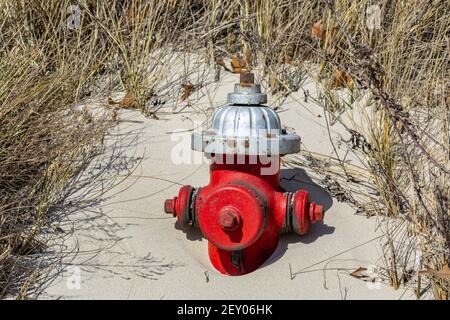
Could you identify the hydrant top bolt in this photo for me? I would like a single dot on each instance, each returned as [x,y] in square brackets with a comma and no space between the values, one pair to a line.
[247,78]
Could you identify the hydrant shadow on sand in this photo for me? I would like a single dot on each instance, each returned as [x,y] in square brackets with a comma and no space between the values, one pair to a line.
[291,181]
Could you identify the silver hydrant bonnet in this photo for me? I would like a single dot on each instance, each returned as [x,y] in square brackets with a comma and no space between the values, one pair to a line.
[246,127]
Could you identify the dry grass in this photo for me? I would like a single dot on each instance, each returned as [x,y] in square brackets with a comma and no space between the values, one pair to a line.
[388,87]
[43,142]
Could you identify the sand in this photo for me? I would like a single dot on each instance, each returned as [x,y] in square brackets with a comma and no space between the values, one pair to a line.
[125,247]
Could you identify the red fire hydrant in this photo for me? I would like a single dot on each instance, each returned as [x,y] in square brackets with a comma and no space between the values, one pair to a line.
[243,209]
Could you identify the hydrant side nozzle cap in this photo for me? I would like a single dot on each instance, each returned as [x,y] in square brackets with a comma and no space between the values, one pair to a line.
[169,206]
[316,212]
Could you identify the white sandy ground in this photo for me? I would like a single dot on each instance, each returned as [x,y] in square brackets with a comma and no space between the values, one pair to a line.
[126,247]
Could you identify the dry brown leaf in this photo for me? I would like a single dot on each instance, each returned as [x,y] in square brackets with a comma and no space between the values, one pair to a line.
[238,65]
[249,57]
[317,29]
[443,274]
[128,102]
[187,89]
[340,79]
[359,273]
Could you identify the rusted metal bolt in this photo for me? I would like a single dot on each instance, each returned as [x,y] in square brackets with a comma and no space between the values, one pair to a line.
[169,206]
[247,78]
[229,219]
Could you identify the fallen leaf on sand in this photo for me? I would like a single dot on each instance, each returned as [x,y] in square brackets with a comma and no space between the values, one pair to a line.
[359,273]
[239,65]
[317,29]
[187,89]
[443,274]
[340,79]
[128,102]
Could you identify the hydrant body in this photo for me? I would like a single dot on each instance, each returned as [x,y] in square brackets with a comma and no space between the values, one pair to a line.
[243,209]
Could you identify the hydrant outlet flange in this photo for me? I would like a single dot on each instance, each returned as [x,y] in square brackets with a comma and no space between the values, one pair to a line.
[231,217]
[180,206]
